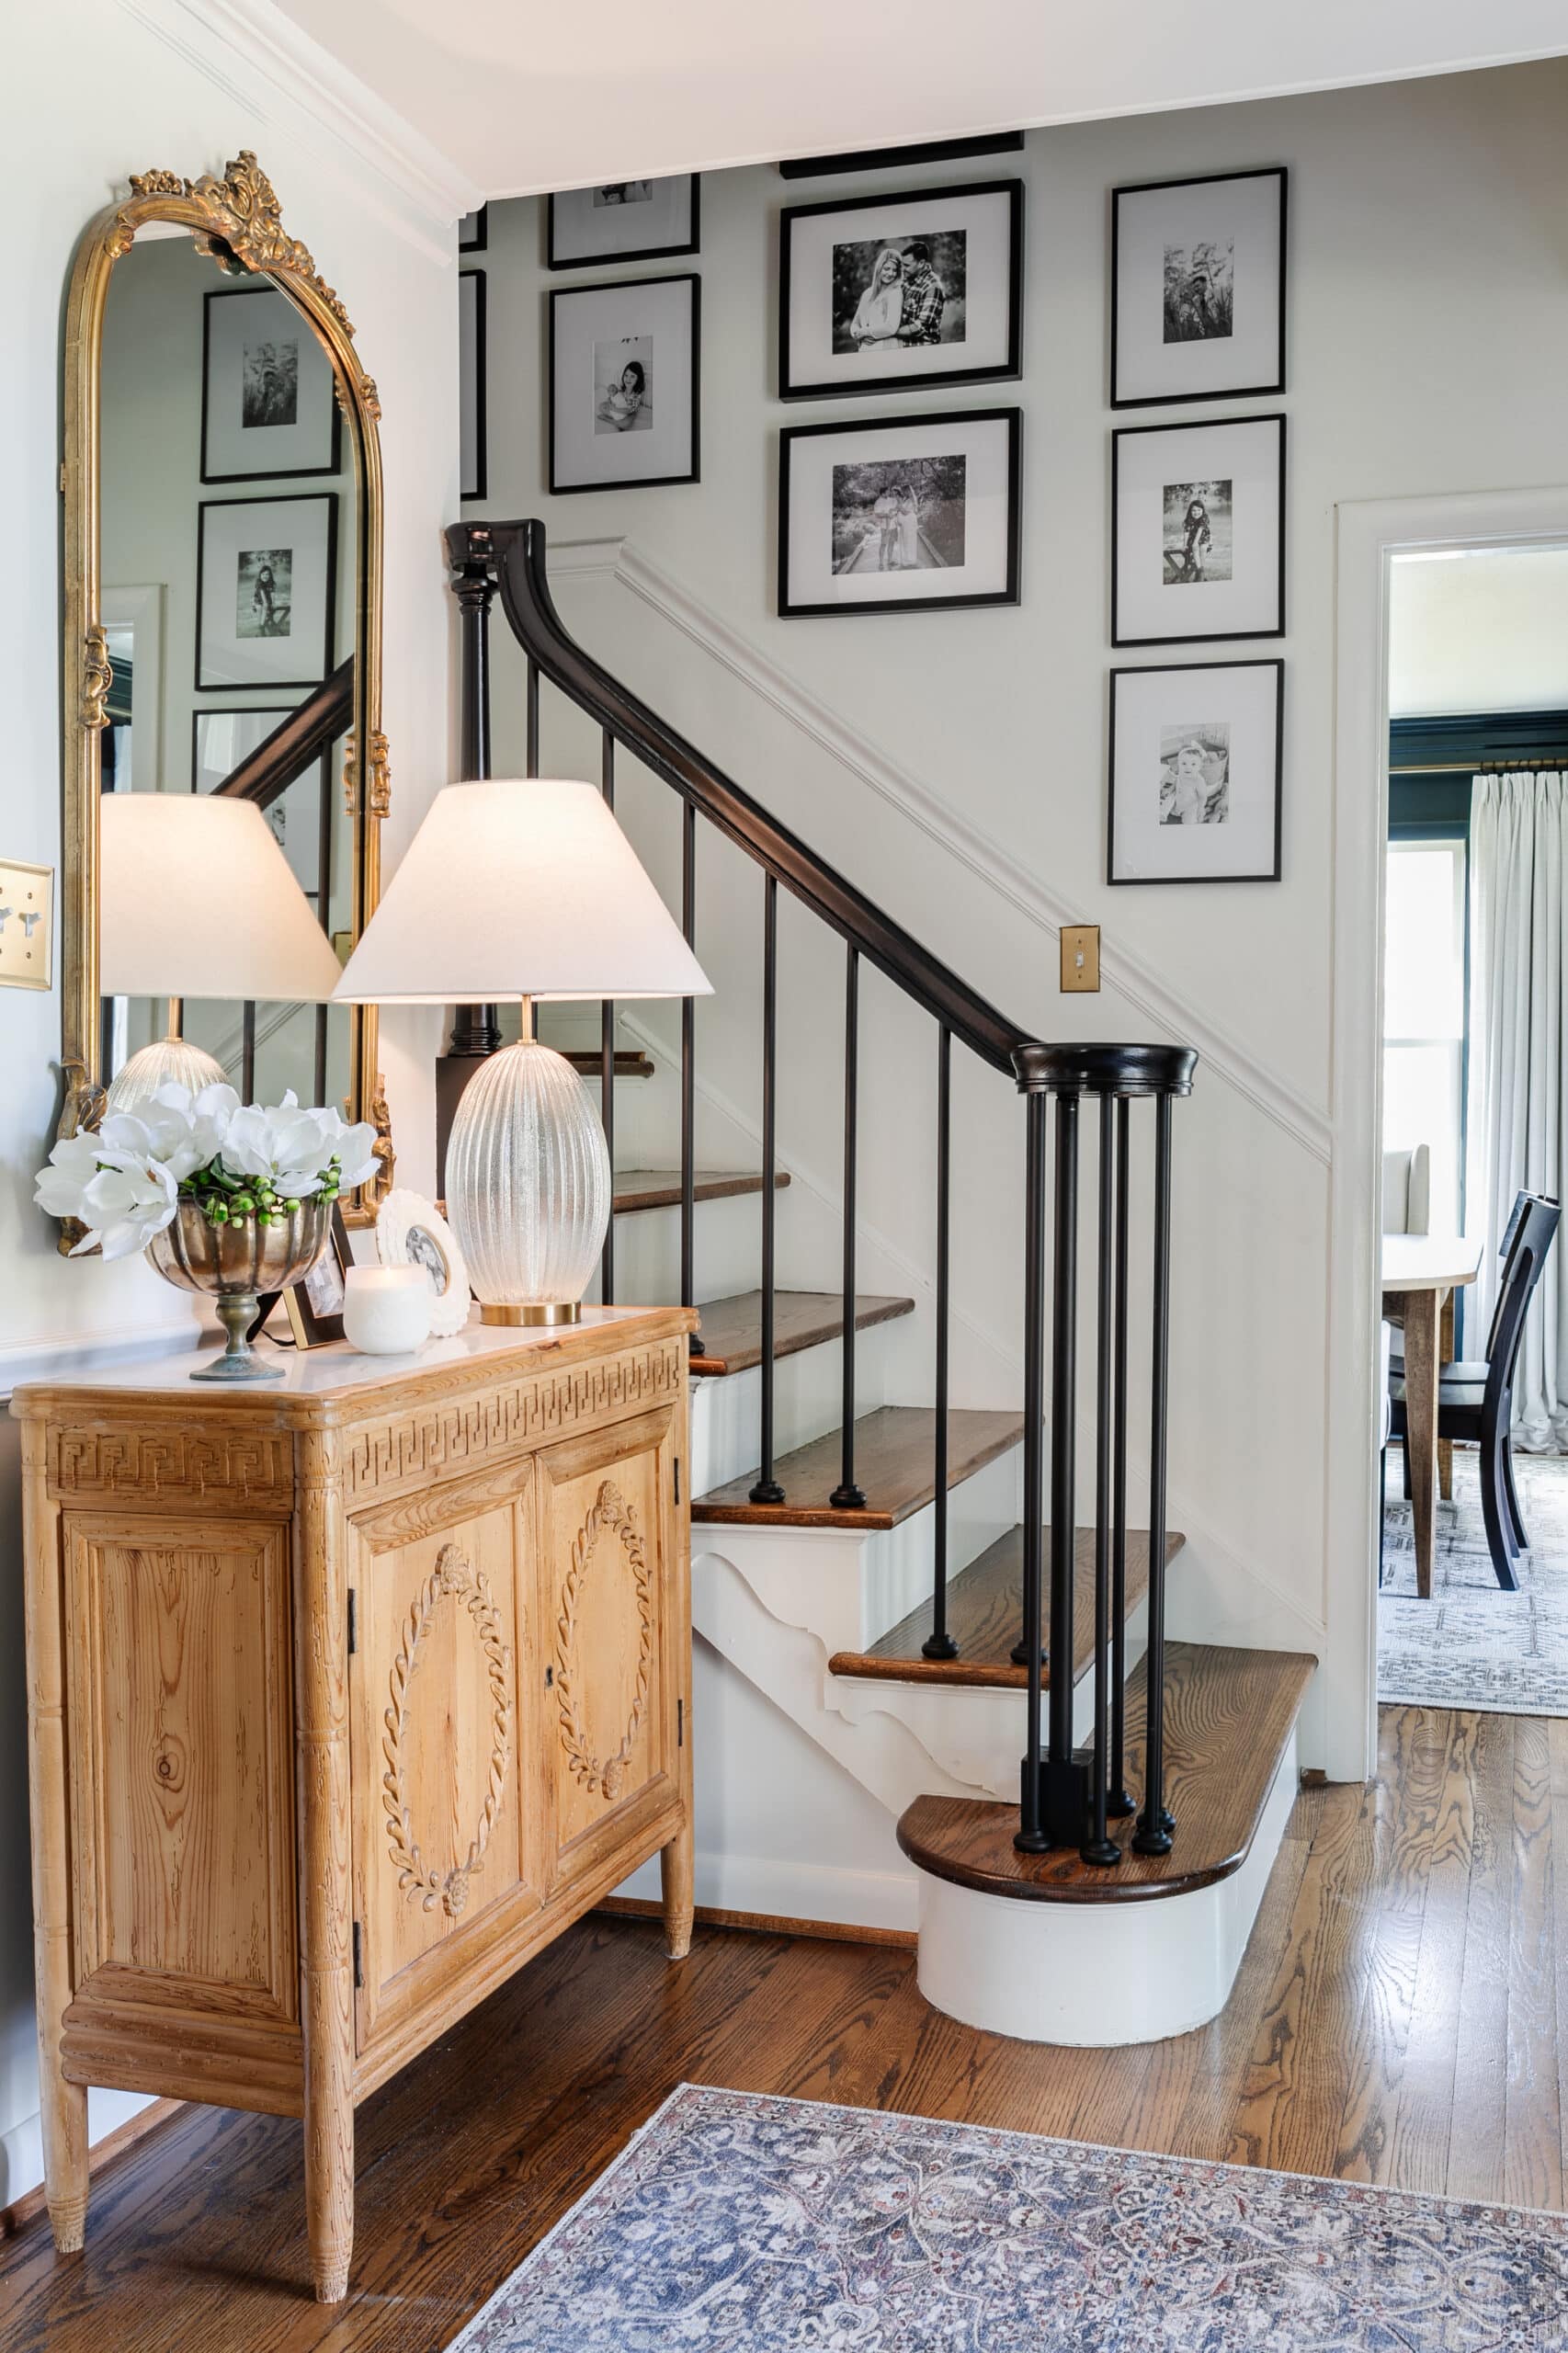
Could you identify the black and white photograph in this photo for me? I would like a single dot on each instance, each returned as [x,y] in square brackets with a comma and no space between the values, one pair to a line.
[1197,531]
[1195,770]
[900,511]
[301,817]
[1198,289]
[315,1306]
[472,430]
[265,582]
[623,220]
[890,292]
[624,384]
[267,404]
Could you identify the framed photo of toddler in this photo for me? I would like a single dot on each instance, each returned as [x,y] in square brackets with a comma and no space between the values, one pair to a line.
[887,293]
[624,384]
[1196,764]
[1197,531]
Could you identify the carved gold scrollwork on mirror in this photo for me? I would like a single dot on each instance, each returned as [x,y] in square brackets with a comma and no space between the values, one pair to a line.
[236,222]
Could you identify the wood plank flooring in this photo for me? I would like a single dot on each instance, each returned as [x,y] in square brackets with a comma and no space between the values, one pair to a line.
[1400,2017]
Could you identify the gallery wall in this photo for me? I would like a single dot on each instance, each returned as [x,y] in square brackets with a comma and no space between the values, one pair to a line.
[954,763]
[89,95]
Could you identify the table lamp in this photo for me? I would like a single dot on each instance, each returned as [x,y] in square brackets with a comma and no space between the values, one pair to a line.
[197,899]
[514,891]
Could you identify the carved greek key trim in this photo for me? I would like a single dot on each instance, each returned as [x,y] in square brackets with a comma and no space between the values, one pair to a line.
[613,1515]
[451,1579]
[172,1465]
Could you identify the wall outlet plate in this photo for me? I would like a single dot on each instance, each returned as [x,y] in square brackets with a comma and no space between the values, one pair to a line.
[27,925]
[1080,955]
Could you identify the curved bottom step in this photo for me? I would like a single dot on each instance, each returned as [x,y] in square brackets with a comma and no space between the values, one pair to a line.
[1047,1949]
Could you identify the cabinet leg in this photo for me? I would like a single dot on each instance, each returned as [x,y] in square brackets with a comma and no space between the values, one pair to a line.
[329,2194]
[64,2122]
[677,1863]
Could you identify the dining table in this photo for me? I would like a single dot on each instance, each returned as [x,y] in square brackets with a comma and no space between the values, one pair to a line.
[1420,1274]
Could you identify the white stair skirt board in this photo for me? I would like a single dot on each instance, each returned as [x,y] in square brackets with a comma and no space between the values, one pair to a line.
[1095,1974]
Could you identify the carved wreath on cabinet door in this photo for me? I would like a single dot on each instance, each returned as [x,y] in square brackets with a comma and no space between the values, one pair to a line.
[453,1579]
[611,1512]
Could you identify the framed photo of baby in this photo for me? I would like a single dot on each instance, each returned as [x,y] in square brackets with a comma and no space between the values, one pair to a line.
[887,293]
[1194,774]
[623,383]
[1197,531]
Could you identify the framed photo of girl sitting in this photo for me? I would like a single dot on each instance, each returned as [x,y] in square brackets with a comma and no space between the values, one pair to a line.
[623,383]
[887,293]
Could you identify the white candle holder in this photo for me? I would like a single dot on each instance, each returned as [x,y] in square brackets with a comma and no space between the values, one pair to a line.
[386,1310]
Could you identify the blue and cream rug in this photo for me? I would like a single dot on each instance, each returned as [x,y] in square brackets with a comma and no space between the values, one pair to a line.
[1473,1645]
[737,2224]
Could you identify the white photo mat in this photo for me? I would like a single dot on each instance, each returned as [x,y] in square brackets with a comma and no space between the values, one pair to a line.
[808,360]
[654,217]
[986,442]
[268,402]
[1238,468]
[653,321]
[1241,219]
[1153,712]
[264,611]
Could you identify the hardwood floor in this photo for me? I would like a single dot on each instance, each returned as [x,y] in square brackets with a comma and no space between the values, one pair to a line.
[1400,2017]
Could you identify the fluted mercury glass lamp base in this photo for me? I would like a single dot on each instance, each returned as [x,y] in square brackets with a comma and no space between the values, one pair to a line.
[529,1185]
[155,1065]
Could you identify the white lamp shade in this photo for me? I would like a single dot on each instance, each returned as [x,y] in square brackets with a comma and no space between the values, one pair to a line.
[519,887]
[197,899]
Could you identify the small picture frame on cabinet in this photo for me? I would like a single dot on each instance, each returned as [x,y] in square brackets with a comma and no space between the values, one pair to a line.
[315,1306]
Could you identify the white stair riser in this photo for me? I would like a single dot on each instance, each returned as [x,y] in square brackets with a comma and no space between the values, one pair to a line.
[808,1395]
[727,1245]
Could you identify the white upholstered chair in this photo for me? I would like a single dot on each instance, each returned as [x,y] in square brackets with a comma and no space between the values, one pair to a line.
[1407,1190]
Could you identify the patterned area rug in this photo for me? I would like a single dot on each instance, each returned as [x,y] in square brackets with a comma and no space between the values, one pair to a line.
[736,2223]
[1473,1645]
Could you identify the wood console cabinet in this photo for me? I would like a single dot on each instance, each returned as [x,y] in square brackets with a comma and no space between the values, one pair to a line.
[346,1695]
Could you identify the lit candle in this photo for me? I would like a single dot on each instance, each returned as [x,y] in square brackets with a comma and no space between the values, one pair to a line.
[386,1310]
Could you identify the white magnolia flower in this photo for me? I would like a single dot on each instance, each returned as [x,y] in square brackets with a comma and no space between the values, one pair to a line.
[356,1151]
[72,1164]
[123,1196]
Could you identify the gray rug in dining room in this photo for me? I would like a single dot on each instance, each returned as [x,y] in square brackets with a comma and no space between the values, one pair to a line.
[1473,1645]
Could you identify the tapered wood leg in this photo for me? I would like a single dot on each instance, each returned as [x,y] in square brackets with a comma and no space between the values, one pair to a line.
[1446,1445]
[1421,1424]
[677,1874]
[326,1956]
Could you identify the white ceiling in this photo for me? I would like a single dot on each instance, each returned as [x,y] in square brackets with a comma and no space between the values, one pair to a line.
[1486,630]
[525,95]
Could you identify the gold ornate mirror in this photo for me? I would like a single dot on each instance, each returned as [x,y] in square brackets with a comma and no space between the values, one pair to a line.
[222,634]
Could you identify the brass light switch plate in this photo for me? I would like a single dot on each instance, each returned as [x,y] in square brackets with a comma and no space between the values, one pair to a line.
[27,925]
[1080,955]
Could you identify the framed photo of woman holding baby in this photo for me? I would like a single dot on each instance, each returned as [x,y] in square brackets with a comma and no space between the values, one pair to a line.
[886,293]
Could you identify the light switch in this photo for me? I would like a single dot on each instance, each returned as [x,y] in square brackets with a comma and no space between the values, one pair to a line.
[27,926]
[1080,955]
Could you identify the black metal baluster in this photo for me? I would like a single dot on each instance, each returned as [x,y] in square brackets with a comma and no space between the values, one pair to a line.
[1065,1793]
[938,1642]
[1152,1835]
[531,754]
[1119,1804]
[767,1490]
[1098,1845]
[1031,1838]
[324,812]
[247,1050]
[607,1061]
[476,1029]
[846,1495]
[689,1076]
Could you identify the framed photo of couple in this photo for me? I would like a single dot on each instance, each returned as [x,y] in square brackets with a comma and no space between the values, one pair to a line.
[887,293]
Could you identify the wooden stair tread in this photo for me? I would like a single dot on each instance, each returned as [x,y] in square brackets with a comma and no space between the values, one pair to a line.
[1227,1718]
[984,1603]
[892,1465]
[731,1329]
[659,1188]
[630,1062]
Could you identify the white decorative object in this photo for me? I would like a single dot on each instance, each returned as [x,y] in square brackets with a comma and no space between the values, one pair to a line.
[386,1310]
[412,1232]
[513,889]
[197,899]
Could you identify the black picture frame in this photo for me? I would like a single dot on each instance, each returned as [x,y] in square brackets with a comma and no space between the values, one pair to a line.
[473,484]
[943,379]
[1175,882]
[1201,636]
[1008,595]
[692,244]
[559,294]
[1271,389]
[477,238]
[321,896]
[260,473]
[285,498]
[307,1328]
[899,159]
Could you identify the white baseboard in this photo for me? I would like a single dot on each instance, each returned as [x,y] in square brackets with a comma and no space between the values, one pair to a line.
[21,2145]
[792,1891]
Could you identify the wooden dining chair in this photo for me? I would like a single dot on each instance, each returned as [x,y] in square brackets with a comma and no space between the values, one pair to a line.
[1475,1398]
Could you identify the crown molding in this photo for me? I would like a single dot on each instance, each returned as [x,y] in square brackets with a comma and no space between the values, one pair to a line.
[239,43]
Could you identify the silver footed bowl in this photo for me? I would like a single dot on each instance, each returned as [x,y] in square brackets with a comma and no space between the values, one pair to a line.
[233,1263]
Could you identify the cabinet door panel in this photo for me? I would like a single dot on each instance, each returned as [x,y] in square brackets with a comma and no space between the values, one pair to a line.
[604,1551]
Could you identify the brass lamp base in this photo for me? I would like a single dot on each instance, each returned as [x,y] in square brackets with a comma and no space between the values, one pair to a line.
[533,1312]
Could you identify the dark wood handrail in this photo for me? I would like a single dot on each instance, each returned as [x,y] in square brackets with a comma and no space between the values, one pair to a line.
[516,551]
[298,739]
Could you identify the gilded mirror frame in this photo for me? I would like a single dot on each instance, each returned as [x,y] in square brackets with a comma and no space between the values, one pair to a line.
[237,223]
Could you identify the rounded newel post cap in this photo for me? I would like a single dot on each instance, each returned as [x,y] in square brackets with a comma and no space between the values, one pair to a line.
[1105,1070]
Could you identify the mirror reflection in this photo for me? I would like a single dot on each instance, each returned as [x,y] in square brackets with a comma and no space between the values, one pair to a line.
[229,606]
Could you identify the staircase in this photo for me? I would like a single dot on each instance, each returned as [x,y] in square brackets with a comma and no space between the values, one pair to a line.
[881,1593]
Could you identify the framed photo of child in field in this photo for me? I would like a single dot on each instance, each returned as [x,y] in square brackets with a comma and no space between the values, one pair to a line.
[1198,289]
[1195,773]
[899,513]
[1197,531]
